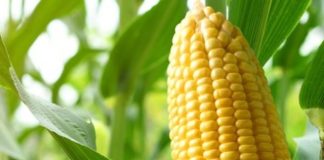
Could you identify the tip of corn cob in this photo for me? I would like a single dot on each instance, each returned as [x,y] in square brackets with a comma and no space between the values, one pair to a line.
[220,106]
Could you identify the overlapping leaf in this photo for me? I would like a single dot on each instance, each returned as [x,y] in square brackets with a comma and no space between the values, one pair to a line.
[283,17]
[266,24]
[311,94]
[73,133]
[147,40]
[251,19]
[76,151]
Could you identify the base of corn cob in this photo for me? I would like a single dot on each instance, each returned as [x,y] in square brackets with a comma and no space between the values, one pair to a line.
[220,106]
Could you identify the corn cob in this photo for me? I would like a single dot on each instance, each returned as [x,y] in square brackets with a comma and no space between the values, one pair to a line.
[220,106]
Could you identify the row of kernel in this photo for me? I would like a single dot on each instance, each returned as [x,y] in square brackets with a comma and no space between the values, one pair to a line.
[175,94]
[253,98]
[280,145]
[181,111]
[254,95]
[173,115]
[215,39]
[276,132]
[244,124]
[186,32]
[259,116]
[266,141]
[172,97]
[173,120]
[248,143]
[208,126]
[213,45]
[194,150]
[246,138]
[278,136]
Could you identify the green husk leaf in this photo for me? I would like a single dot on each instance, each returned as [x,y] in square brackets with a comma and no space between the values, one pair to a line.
[311,96]
[251,19]
[266,24]
[147,40]
[283,18]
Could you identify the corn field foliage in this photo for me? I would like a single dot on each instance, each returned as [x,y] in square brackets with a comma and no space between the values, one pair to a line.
[108,100]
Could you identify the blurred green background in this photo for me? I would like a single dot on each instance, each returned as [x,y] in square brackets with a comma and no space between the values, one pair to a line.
[72,53]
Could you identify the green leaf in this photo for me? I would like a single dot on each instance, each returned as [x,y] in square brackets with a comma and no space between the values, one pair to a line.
[316,11]
[75,135]
[70,65]
[57,119]
[8,144]
[5,80]
[218,5]
[289,57]
[24,135]
[76,22]
[72,132]
[154,72]
[147,39]
[75,151]
[163,142]
[292,65]
[283,17]
[311,96]
[35,24]
[128,12]
[266,24]
[251,17]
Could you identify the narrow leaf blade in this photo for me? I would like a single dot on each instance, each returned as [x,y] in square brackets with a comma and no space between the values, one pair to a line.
[251,19]
[76,151]
[283,18]
[311,94]
[5,80]
[218,5]
[147,39]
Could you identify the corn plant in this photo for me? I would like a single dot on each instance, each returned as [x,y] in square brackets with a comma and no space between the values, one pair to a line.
[213,79]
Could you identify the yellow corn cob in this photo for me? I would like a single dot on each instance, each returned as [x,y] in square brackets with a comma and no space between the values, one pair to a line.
[220,106]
